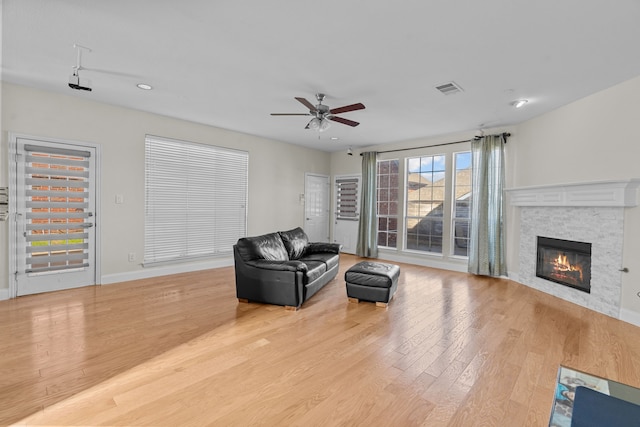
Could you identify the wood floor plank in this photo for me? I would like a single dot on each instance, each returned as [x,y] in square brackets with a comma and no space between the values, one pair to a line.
[452,349]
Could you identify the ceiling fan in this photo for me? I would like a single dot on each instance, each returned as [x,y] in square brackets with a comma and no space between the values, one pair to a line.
[323,113]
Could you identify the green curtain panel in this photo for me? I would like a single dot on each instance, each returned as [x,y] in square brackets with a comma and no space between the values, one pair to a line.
[487,248]
[368,227]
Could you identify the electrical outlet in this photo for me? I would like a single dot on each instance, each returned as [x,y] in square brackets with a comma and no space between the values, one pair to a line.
[132,256]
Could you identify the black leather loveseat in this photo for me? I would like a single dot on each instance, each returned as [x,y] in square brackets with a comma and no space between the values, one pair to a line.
[283,268]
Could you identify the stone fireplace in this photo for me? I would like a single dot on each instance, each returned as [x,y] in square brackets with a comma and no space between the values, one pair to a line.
[590,216]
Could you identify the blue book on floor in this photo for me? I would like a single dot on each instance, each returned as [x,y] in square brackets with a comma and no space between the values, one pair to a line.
[595,409]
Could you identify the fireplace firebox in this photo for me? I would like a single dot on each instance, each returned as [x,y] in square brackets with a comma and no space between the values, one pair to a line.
[565,261]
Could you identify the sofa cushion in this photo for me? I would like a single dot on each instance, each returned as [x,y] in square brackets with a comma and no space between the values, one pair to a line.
[331,260]
[295,241]
[268,246]
[315,269]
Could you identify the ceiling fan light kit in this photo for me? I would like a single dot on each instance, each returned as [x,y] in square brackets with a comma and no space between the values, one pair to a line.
[319,125]
[323,114]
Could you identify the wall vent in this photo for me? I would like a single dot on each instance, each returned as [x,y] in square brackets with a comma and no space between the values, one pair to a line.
[449,88]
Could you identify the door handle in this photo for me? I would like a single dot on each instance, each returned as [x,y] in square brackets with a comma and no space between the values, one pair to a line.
[86,225]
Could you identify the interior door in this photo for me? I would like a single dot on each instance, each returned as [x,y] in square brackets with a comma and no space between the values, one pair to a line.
[316,207]
[55,220]
[347,214]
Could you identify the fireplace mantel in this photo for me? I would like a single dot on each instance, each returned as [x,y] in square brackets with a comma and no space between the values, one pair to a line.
[620,193]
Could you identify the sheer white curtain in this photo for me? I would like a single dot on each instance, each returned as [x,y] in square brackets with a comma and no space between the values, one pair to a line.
[487,247]
[368,227]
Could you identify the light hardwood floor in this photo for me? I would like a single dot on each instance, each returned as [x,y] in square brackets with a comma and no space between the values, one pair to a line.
[451,349]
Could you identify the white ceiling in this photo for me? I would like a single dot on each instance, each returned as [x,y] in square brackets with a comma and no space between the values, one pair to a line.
[230,63]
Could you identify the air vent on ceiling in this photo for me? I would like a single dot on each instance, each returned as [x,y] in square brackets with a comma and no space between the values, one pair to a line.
[449,88]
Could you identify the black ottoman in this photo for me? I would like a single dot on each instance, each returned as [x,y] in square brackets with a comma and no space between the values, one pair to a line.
[372,281]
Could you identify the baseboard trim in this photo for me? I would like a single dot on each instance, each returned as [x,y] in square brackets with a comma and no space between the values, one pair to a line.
[424,261]
[4,294]
[630,316]
[149,272]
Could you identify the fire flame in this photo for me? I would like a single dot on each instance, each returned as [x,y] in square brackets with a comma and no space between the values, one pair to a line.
[562,264]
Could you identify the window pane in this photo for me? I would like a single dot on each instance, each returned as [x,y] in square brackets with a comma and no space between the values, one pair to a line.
[383,168]
[463,160]
[461,237]
[413,165]
[393,208]
[392,240]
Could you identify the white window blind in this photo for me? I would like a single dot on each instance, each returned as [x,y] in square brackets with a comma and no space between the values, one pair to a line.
[195,199]
[347,198]
[56,192]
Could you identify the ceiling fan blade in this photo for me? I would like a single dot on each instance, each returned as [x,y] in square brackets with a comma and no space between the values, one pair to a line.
[346,108]
[307,104]
[344,121]
[290,114]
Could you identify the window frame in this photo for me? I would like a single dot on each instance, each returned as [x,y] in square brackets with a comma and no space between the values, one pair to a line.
[439,219]
[389,200]
[454,205]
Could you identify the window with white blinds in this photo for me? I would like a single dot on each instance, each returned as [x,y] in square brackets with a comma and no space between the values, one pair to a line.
[347,198]
[195,199]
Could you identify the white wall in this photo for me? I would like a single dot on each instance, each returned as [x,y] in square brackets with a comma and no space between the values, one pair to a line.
[595,138]
[276,169]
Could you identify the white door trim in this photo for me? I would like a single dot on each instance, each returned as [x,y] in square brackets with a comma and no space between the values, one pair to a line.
[13,183]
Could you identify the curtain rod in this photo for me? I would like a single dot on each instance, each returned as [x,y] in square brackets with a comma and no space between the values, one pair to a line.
[505,135]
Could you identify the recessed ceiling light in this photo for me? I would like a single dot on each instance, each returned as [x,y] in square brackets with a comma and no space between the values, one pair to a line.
[334,138]
[144,86]
[519,103]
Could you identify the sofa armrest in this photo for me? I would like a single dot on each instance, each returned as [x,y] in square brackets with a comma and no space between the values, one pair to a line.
[322,247]
[278,265]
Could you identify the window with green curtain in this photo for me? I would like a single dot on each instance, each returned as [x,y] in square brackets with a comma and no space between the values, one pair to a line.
[195,199]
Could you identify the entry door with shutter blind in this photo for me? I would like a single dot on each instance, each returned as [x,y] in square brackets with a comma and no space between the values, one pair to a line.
[55,216]
[347,215]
